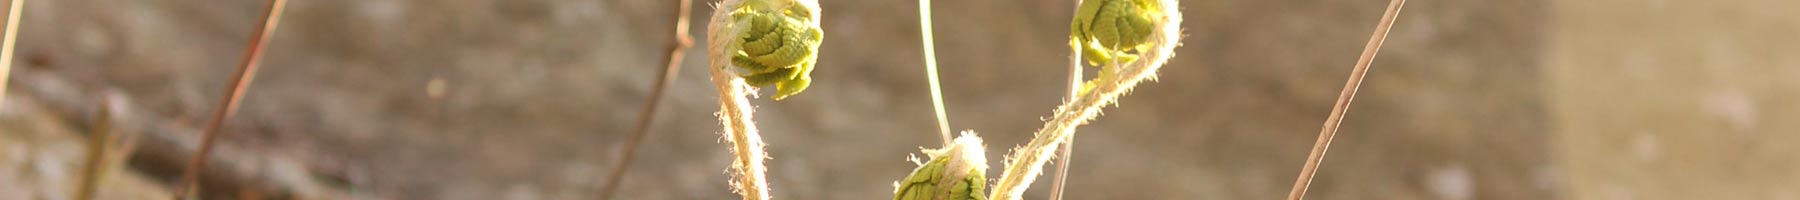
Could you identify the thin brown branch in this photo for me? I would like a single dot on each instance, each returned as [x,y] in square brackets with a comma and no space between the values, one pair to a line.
[680,42]
[6,44]
[1060,179]
[1330,128]
[233,93]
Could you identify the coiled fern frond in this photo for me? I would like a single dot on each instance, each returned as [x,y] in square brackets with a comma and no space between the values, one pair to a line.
[1113,32]
[955,172]
[778,44]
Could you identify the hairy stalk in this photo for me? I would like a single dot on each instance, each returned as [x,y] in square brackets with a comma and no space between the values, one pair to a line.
[6,44]
[679,43]
[734,114]
[1027,162]
[740,131]
[1330,128]
[792,23]
[931,74]
[228,104]
[1060,180]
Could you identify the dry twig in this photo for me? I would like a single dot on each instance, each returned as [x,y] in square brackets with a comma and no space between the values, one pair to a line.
[680,42]
[233,93]
[6,44]
[98,138]
[1343,101]
[1060,180]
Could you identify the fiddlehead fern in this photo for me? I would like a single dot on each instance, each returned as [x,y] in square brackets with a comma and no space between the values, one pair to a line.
[1115,78]
[956,172]
[770,42]
[1113,32]
[778,45]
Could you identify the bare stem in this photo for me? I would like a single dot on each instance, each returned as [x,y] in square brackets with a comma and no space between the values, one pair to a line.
[1027,162]
[233,93]
[6,44]
[98,138]
[931,71]
[1060,180]
[1343,101]
[680,42]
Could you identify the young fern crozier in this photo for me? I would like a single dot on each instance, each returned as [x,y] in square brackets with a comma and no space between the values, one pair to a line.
[1110,31]
[782,52]
[1113,32]
[956,172]
[777,43]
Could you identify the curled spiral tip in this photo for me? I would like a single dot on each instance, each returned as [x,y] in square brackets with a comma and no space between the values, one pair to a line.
[785,26]
[777,43]
[1114,30]
[1115,78]
[1112,33]
[955,172]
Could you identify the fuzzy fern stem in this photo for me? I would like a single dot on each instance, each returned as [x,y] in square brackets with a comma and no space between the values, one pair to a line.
[1027,162]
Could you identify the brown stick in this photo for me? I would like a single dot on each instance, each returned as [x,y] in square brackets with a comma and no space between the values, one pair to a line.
[98,138]
[680,43]
[6,43]
[1343,101]
[233,93]
[1060,179]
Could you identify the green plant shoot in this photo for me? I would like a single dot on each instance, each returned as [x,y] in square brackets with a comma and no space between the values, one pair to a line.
[779,45]
[1112,32]
[956,172]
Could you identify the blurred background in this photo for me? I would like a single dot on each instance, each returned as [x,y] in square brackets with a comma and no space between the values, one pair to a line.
[1473,99]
